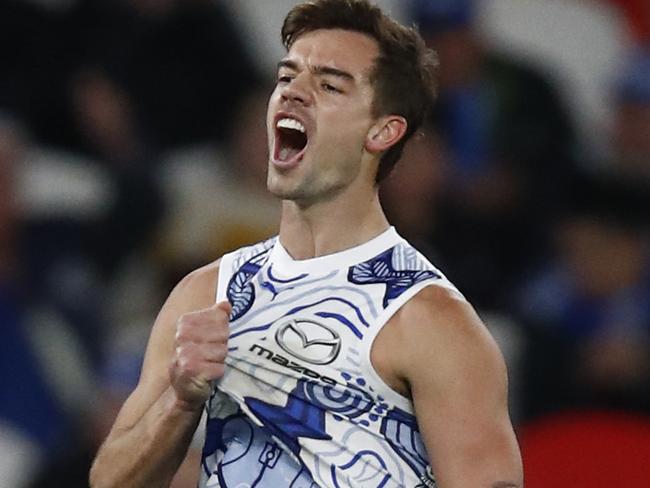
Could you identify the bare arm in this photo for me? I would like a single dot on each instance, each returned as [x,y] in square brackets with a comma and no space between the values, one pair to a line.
[185,352]
[458,382]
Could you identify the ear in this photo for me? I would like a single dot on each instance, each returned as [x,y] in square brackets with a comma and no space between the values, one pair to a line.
[387,132]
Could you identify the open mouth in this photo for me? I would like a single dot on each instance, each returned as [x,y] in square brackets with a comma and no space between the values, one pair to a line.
[291,140]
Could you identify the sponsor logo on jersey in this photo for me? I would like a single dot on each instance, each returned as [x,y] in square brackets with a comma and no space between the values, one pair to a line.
[309,341]
[282,361]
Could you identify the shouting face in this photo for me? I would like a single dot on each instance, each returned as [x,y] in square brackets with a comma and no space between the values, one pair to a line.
[320,115]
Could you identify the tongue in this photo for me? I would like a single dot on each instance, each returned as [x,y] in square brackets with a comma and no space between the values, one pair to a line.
[291,143]
[287,153]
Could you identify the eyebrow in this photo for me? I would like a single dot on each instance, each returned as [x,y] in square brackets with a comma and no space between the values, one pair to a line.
[318,70]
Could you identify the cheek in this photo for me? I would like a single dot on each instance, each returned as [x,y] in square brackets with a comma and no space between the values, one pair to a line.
[345,130]
[271,109]
[269,123]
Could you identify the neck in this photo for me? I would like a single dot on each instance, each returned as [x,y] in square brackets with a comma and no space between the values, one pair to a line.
[348,220]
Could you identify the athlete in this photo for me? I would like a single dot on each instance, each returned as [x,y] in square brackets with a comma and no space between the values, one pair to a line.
[334,355]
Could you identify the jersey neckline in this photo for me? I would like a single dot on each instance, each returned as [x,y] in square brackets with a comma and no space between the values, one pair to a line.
[283,261]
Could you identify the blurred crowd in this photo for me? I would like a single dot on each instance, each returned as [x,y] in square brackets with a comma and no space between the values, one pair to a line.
[133,149]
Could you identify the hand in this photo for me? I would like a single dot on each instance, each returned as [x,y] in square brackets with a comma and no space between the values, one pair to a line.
[201,345]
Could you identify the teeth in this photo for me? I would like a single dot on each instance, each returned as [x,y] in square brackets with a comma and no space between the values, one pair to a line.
[284,153]
[288,123]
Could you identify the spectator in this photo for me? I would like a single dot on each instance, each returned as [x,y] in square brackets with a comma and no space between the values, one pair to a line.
[39,347]
[184,63]
[110,134]
[587,309]
[412,195]
[218,196]
[33,61]
[510,143]
[631,135]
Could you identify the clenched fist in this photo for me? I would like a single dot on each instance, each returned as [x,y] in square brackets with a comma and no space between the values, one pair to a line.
[201,345]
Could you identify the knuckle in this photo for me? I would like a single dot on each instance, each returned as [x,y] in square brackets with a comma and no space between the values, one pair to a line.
[173,366]
[189,320]
[181,352]
[190,323]
[221,353]
[183,319]
[188,369]
[182,333]
[182,363]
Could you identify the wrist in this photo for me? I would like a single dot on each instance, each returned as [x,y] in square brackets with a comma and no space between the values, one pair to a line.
[181,405]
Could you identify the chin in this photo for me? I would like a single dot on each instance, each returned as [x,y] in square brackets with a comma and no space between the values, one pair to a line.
[280,190]
[298,195]
[304,190]
[287,194]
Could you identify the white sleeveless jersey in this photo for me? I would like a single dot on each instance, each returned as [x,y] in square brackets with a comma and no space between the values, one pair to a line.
[300,405]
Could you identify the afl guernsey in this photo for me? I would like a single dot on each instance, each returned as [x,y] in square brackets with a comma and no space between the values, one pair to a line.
[300,405]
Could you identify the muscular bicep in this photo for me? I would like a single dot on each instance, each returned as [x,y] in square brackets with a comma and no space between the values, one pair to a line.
[196,291]
[459,391]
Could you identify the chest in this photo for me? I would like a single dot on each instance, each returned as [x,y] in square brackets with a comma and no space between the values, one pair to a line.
[317,325]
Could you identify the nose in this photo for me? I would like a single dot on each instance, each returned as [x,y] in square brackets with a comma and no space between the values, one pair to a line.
[298,91]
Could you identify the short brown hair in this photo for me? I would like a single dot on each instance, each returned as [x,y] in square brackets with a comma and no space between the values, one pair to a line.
[404,72]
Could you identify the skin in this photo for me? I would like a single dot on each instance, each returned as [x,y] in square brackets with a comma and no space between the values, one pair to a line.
[434,350]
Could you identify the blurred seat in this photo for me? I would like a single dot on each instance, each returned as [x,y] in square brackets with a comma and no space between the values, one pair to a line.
[587,450]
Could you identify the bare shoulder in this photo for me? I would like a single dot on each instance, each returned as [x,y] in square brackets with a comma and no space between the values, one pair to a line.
[197,289]
[439,328]
[444,314]
[457,379]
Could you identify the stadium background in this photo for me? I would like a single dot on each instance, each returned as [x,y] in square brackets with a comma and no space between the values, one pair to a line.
[132,149]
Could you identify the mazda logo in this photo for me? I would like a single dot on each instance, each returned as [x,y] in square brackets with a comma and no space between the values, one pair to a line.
[309,341]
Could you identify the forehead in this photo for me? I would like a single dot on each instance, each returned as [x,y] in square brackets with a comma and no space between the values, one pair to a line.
[351,51]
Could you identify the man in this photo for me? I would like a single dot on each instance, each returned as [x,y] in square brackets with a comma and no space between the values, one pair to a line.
[327,342]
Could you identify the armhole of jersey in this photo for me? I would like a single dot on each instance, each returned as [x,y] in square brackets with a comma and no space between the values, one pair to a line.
[225,273]
[369,370]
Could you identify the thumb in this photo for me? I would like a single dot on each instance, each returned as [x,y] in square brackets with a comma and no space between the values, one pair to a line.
[224,306]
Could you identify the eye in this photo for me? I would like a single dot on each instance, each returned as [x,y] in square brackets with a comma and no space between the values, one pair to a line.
[330,88]
[283,79]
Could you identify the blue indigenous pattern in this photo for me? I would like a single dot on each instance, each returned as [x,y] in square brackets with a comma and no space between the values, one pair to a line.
[250,457]
[241,292]
[297,418]
[300,405]
[403,434]
[380,269]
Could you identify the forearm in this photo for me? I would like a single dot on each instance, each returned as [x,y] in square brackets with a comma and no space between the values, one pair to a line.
[148,453]
[496,464]
[472,483]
